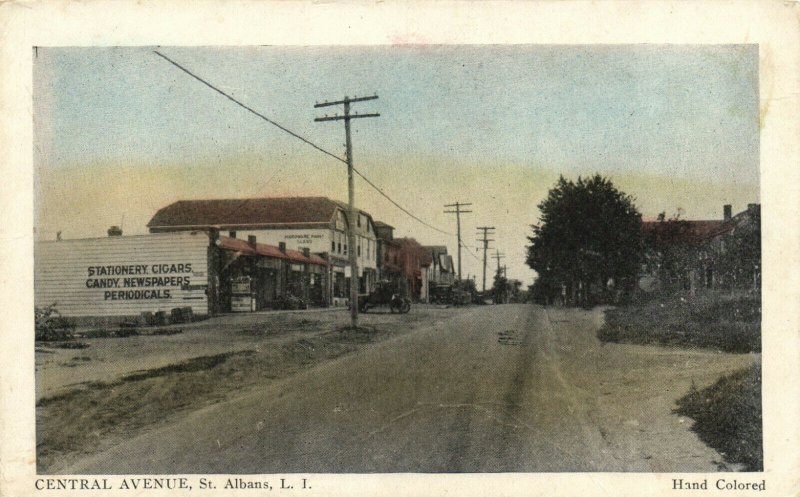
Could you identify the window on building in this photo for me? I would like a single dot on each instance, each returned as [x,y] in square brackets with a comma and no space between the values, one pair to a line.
[333,246]
[340,247]
[232,234]
[359,250]
[345,249]
[359,220]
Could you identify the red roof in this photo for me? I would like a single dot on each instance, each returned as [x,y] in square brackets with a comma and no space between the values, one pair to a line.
[246,248]
[690,232]
[298,256]
[292,211]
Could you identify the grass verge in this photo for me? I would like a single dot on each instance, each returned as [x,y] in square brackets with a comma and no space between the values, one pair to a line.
[731,323]
[728,417]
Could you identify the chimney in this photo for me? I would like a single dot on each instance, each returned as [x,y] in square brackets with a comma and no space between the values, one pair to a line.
[306,251]
[251,239]
[282,247]
[754,209]
[114,231]
[727,212]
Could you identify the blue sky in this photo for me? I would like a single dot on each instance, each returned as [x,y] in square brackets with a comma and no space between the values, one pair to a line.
[120,132]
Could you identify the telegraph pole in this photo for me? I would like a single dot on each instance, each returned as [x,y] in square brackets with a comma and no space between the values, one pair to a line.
[352,215]
[497,296]
[485,240]
[458,212]
[497,255]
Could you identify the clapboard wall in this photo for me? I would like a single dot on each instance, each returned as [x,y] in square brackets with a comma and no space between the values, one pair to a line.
[123,275]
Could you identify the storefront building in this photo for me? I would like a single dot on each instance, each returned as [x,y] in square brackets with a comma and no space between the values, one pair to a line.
[317,224]
[196,272]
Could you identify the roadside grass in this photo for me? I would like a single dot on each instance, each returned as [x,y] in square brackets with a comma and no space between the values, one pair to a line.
[727,414]
[88,420]
[730,323]
[728,417]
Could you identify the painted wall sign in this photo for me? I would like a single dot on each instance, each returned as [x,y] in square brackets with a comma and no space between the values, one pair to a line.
[119,276]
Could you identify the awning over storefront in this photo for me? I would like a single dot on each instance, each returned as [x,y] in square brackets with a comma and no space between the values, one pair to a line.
[244,247]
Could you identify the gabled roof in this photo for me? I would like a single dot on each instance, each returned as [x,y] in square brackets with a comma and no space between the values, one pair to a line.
[446,262]
[684,232]
[248,213]
[435,250]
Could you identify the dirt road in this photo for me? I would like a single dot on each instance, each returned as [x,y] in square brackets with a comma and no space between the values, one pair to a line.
[494,389]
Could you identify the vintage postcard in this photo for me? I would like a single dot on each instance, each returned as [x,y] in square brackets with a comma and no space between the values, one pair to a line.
[396,248]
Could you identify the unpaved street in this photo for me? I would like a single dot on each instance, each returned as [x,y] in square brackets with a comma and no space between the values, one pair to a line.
[492,389]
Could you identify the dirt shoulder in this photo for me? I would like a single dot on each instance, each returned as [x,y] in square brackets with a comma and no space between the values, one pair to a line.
[131,385]
[726,415]
[632,394]
[106,360]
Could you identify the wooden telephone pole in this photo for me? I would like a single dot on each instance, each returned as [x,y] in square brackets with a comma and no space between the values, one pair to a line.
[352,214]
[486,232]
[458,213]
[498,293]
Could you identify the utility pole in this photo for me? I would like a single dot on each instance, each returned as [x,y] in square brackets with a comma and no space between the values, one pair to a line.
[458,212]
[485,240]
[497,256]
[352,214]
[498,298]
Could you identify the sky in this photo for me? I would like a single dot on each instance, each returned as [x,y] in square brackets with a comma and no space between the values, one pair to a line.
[120,132]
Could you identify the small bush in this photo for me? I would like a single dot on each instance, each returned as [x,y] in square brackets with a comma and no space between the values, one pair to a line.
[51,326]
[728,417]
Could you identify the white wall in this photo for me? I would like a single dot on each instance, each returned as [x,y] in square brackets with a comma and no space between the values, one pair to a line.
[86,277]
[317,240]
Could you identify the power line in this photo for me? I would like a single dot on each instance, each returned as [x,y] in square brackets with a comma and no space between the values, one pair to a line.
[487,230]
[458,212]
[301,138]
[351,195]
[370,183]
[470,252]
[249,109]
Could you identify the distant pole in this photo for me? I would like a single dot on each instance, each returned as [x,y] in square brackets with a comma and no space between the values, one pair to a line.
[458,212]
[352,214]
[485,240]
[497,256]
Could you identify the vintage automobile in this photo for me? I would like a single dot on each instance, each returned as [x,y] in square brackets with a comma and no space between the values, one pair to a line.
[384,294]
[449,295]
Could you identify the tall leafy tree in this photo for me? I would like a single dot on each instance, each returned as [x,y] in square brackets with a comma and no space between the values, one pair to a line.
[589,233]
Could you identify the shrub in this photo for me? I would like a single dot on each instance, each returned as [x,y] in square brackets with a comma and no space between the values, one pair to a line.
[728,417]
[51,325]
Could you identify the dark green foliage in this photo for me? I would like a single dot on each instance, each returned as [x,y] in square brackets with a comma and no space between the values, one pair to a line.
[728,417]
[741,260]
[51,326]
[668,255]
[588,233]
[731,323]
